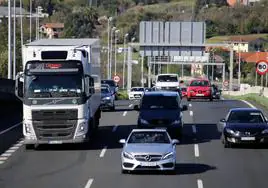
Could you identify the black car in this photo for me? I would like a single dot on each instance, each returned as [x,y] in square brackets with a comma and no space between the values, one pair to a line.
[161,109]
[107,98]
[113,86]
[244,125]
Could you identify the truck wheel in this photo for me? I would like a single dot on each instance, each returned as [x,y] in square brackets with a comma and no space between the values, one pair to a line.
[29,146]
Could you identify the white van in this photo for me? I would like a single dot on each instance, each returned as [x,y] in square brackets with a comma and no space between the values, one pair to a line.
[167,82]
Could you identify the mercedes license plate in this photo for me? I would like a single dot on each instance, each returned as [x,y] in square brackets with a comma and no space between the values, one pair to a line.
[55,142]
[199,94]
[248,138]
[148,164]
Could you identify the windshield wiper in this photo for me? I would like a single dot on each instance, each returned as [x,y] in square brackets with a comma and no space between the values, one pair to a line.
[42,94]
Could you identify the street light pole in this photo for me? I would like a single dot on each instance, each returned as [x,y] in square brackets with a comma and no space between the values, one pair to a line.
[108,48]
[115,50]
[124,63]
[9,41]
[30,27]
[111,55]
[14,40]
[21,26]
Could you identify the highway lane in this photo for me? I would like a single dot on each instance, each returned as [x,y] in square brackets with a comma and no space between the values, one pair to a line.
[238,167]
[202,160]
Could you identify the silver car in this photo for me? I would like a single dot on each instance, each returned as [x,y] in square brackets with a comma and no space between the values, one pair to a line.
[148,149]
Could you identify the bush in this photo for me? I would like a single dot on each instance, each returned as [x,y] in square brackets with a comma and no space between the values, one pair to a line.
[122,95]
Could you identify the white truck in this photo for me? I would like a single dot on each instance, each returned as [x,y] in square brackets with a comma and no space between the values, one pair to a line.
[60,90]
[167,82]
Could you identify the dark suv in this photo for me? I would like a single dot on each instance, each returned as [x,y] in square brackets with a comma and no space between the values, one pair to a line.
[161,109]
[113,86]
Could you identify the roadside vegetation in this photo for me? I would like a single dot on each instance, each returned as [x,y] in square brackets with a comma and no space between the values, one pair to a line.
[122,95]
[254,98]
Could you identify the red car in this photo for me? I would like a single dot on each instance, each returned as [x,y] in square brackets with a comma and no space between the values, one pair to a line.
[199,89]
[184,91]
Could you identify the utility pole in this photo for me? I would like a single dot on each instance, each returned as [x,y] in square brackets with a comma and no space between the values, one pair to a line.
[124,63]
[9,41]
[14,41]
[231,68]
[21,25]
[115,50]
[108,47]
[30,27]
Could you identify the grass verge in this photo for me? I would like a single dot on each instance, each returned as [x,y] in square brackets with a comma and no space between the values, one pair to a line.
[255,98]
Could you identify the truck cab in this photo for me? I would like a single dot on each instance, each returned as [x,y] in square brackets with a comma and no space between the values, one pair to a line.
[61,98]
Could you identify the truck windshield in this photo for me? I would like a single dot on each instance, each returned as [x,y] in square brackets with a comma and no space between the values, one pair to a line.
[54,85]
[167,78]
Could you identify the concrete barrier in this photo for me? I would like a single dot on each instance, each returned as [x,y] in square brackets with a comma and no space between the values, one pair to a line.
[254,89]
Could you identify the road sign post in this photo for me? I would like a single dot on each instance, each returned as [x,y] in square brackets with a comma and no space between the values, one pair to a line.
[262,67]
[116,78]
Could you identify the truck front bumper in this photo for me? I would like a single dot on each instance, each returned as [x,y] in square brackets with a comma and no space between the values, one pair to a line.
[81,139]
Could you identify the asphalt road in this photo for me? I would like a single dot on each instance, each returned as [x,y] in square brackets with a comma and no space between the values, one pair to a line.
[202,160]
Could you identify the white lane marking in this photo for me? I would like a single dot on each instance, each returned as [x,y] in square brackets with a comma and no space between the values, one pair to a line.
[14,148]
[194,128]
[130,105]
[6,154]
[125,113]
[2,162]
[196,150]
[18,144]
[248,103]
[115,128]
[10,151]
[199,183]
[103,151]
[10,128]
[3,158]
[89,183]
[190,105]
[191,113]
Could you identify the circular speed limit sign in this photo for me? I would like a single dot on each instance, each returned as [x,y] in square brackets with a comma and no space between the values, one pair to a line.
[262,67]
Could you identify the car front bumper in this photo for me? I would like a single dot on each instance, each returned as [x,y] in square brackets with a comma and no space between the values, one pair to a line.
[162,165]
[246,140]
[106,104]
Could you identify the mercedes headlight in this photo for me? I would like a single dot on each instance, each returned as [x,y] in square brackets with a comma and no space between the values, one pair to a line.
[230,131]
[168,155]
[265,131]
[143,121]
[127,155]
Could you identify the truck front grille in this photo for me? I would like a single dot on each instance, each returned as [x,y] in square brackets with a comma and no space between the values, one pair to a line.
[54,124]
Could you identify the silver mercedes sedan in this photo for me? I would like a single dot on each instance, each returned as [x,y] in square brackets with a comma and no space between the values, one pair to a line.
[148,149]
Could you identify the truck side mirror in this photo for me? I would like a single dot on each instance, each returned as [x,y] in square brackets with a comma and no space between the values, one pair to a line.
[19,85]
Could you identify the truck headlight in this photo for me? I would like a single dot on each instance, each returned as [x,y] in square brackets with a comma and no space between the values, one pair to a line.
[168,155]
[82,129]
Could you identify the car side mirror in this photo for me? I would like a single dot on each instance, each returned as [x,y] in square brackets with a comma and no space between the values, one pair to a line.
[136,107]
[184,108]
[223,120]
[266,119]
[19,85]
[175,141]
[122,141]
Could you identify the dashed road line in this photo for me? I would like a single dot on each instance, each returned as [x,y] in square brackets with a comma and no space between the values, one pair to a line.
[8,153]
[248,103]
[89,183]
[199,183]
[114,128]
[130,105]
[196,150]
[194,129]
[103,151]
[125,113]
[10,128]
[190,105]
[191,113]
